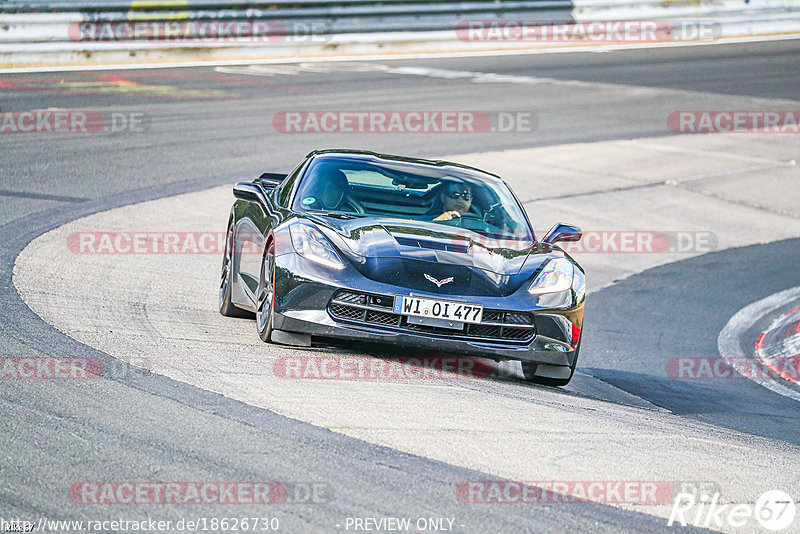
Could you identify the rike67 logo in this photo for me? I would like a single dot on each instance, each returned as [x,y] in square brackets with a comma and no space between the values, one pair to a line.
[775,510]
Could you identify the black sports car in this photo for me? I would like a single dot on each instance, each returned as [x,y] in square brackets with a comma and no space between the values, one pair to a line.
[410,252]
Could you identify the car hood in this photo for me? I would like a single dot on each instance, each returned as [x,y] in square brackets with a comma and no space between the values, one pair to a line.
[426,241]
[410,253]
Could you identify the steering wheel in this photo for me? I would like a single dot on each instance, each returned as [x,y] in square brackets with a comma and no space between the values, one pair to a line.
[465,215]
[468,220]
[349,201]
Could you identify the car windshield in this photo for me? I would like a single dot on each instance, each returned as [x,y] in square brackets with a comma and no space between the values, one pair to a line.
[445,195]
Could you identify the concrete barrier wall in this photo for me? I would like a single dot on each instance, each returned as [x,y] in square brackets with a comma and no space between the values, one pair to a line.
[111,31]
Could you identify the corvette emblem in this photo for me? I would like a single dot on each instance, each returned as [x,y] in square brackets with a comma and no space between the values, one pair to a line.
[439,283]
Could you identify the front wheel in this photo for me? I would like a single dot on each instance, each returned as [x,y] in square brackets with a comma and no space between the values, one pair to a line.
[265,303]
[529,372]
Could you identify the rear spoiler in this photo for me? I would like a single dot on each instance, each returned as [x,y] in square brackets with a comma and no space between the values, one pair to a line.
[270,180]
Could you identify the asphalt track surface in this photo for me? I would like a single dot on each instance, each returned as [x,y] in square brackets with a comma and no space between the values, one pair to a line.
[208,128]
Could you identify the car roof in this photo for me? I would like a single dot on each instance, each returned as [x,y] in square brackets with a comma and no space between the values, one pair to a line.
[369,155]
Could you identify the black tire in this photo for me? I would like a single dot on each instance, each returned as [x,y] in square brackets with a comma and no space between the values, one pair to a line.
[529,372]
[226,307]
[266,298]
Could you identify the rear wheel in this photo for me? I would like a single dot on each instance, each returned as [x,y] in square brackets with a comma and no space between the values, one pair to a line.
[226,307]
[265,302]
[529,370]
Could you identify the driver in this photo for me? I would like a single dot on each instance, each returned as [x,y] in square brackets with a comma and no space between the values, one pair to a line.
[455,200]
[335,189]
[327,189]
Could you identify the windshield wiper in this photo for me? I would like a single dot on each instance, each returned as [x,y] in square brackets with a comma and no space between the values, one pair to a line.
[335,215]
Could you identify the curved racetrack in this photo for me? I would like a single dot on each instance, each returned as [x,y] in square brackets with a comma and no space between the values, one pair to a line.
[211,406]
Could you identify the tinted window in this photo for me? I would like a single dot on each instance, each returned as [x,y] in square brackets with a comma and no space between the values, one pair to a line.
[286,187]
[447,195]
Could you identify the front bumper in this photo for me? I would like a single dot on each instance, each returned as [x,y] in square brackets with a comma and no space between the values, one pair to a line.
[304,290]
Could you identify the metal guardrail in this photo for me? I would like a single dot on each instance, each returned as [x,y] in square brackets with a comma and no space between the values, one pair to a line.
[21,23]
[309,7]
[80,31]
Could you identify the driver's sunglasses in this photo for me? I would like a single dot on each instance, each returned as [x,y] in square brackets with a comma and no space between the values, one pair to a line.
[455,195]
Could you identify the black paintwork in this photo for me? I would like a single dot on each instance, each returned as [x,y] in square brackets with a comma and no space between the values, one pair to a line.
[388,256]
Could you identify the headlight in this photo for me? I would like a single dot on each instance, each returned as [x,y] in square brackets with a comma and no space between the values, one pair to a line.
[579,285]
[312,245]
[555,277]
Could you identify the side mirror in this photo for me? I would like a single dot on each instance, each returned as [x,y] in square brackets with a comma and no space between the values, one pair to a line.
[562,232]
[271,180]
[248,191]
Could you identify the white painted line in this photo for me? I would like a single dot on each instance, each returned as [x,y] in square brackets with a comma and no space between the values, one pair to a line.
[390,57]
[742,170]
[729,344]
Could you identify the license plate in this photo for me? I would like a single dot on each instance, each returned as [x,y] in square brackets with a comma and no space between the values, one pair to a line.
[438,309]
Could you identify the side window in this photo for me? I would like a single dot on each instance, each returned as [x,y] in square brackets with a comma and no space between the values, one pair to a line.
[286,187]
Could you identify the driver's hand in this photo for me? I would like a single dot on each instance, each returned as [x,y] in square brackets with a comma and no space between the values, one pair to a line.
[447,216]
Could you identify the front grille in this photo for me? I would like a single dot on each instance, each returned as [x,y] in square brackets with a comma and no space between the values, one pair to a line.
[382,318]
[376,310]
[518,318]
[520,334]
[492,316]
[346,312]
[484,331]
